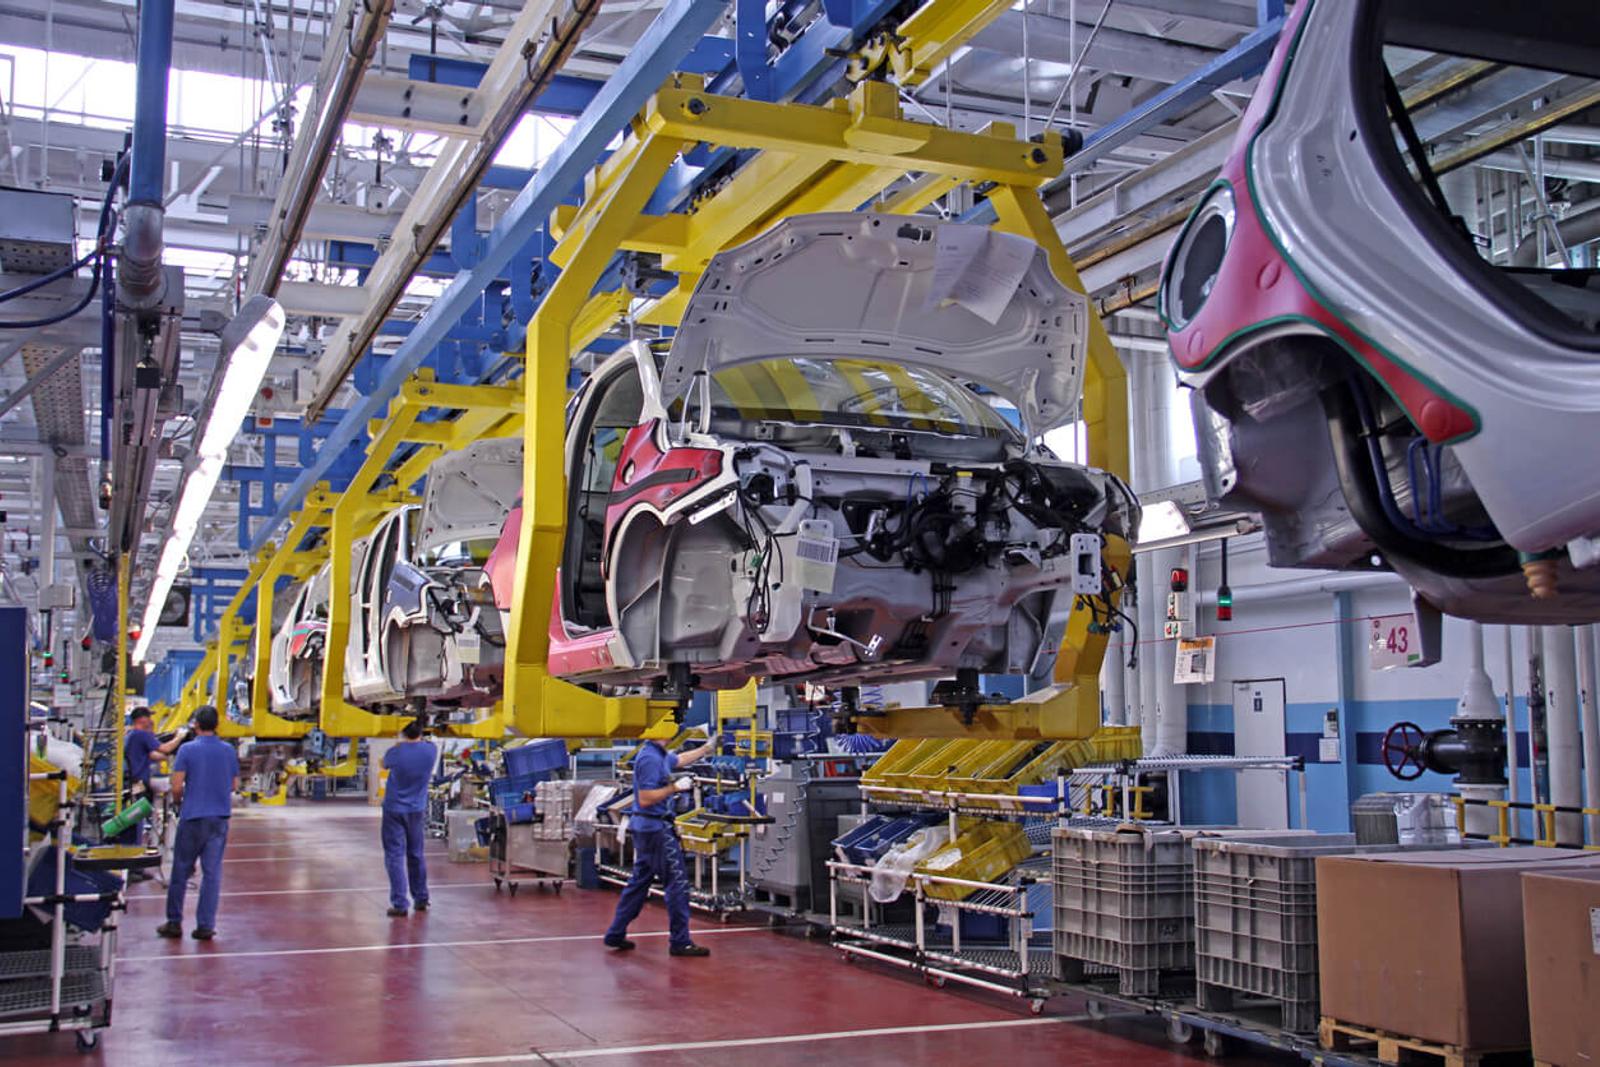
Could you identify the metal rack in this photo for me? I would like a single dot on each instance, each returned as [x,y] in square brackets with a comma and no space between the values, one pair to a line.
[1020,967]
[69,985]
[1126,776]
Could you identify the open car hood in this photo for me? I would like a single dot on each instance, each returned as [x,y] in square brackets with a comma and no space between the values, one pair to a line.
[979,305]
[470,492]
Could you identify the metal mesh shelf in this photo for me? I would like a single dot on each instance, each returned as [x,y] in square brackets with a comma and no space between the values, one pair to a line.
[31,996]
[35,963]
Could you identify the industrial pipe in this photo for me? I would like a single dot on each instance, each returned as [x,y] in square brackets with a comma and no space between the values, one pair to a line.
[1561,726]
[1112,671]
[140,276]
[1309,585]
[1576,229]
[1591,726]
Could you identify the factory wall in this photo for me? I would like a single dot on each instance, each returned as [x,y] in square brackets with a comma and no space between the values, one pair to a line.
[1298,641]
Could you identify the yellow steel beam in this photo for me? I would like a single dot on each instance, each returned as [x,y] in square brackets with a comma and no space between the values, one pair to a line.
[544,706]
[1105,382]
[869,130]
[288,561]
[845,154]
[485,411]
[934,33]
[916,195]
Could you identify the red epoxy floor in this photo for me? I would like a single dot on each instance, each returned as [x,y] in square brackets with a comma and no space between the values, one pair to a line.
[307,969]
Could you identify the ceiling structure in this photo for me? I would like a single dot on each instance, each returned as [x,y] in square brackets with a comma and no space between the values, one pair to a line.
[415,138]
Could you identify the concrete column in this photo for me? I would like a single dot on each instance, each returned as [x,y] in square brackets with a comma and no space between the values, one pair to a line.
[1587,681]
[1561,719]
[1112,672]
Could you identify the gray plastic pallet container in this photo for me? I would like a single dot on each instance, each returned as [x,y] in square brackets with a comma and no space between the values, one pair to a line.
[1255,921]
[1123,901]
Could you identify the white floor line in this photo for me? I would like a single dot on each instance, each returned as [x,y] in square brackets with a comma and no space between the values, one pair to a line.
[253,953]
[747,1042]
[161,897]
[293,859]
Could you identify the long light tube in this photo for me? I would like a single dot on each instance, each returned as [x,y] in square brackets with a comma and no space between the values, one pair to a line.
[248,342]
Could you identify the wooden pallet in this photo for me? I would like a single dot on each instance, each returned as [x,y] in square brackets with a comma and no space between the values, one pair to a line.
[1338,1036]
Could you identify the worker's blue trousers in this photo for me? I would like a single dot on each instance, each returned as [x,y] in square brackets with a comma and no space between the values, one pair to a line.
[202,839]
[404,833]
[656,854]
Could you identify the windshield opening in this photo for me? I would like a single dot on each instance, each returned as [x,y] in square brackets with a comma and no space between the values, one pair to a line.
[852,393]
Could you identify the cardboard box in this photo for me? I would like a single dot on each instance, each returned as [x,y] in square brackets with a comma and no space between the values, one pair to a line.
[1429,944]
[1561,922]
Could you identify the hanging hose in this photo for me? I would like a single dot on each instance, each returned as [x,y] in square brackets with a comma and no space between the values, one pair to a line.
[1358,464]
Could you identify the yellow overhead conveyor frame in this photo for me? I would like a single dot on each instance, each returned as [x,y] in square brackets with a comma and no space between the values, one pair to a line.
[485,411]
[833,157]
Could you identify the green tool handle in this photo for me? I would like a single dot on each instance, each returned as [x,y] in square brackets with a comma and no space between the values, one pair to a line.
[128,816]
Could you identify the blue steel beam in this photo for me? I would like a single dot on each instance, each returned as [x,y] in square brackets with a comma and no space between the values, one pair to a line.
[657,54]
[567,95]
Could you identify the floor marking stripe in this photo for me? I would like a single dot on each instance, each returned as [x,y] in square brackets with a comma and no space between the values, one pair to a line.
[292,858]
[748,1042]
[161,897]
[255,953]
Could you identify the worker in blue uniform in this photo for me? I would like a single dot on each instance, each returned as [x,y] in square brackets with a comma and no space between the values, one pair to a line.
[657,852]
[142,748]
[405,807]
[205,775]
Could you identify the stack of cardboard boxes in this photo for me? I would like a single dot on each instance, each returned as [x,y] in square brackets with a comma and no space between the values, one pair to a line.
[1434,946]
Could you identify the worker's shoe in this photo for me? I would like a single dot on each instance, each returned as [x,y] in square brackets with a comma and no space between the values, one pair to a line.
[621,944]
[397,913]
[421,905]
[689,950]
[169,930]
[203,933]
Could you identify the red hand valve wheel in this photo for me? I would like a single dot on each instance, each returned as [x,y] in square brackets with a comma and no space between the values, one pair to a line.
[1402,750]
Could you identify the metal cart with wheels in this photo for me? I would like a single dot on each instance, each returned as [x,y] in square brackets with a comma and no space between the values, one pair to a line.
[516,855]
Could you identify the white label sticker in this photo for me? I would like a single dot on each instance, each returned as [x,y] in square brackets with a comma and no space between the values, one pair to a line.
[816,553]
[775,797]
[469,646]
[1393,642]
[1328,749]
[1594,929]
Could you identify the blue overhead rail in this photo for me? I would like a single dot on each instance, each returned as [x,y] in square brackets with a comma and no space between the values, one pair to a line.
[673,35]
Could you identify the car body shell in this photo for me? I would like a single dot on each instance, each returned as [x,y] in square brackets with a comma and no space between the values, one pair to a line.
[1334,265]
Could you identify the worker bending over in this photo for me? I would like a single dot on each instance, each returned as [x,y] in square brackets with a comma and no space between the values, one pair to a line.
[405,808]
[656,850]
[205,774]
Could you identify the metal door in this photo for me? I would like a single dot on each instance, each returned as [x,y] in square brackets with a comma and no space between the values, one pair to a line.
[1258,730]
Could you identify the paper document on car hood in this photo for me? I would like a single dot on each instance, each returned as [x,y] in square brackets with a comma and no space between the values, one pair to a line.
[944,295]
[978,269]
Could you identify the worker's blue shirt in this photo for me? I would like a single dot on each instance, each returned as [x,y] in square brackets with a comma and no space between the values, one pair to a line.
[652,769]
[410,767]
[137,749]
[208,765]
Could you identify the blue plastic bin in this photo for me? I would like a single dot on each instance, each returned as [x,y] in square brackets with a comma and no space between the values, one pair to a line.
[520,812]
[503,792]
[541,757]
[868,842]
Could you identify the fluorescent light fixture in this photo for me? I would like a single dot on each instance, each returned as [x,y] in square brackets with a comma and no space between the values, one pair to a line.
[1162,521]
[248,342]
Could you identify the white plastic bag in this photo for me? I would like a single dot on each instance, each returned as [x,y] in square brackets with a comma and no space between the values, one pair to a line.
[64,756]
[890,873]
